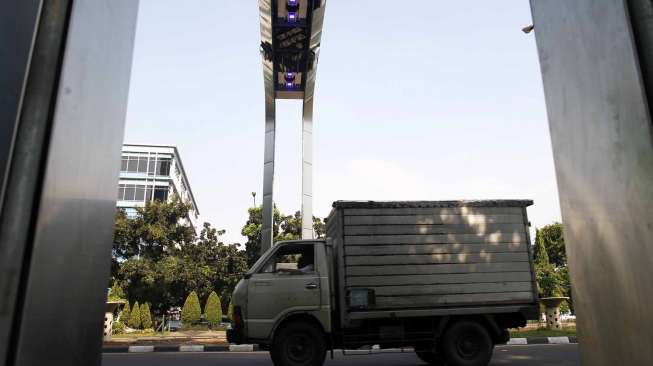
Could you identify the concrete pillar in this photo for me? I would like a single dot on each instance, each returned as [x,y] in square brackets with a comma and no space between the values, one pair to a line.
[552,311]
[602,140]
[108,326]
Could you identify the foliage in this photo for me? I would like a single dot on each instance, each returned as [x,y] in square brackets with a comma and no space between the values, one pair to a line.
[554,242]
[252,230]
[551,271]
[190,313]
[549,282]
[146,316]
[285,227]
[162,271]
[116,293]
[540,255]
[118,327]
[154,232]
[124,315]
[135,317]
[213,309]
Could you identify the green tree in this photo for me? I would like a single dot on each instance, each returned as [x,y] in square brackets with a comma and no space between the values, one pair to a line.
[540,255]
[135,317]
[213,309]
[124,315]
[252,230]
[158,259]
[285,227]
[157,229]
[146,316]
[116,292]
[190,313]
[552,277]
[319,227]
[554,241]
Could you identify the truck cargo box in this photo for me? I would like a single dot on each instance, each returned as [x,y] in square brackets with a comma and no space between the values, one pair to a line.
[430,257]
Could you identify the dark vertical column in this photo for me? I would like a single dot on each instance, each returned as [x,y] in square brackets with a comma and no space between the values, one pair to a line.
[641,17]
[603,151]
[61,176]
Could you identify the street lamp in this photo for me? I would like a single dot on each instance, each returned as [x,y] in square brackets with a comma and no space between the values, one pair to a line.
[254,197]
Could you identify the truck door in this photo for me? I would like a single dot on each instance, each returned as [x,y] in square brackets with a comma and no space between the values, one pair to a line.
[288,281]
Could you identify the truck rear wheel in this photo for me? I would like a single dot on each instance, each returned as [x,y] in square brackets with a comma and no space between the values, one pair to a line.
[467,343]
[298,344]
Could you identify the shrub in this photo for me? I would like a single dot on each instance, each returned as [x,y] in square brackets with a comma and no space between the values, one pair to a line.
[124,315]
[135,317]
[118,327]
[213,309]
[190,313]
[146,316]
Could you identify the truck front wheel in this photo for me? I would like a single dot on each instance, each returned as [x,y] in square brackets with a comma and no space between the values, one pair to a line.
[298,344]
[467,343]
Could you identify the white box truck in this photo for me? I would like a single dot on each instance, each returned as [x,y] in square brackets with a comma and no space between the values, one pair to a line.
[447,278]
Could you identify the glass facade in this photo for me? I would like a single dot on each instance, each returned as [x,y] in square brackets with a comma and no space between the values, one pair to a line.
[151,165]
[141,193]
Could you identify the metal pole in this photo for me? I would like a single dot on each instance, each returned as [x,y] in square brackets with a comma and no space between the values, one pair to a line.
[307,170]
[594,83]
[61,173]
[267,234]
[267,231]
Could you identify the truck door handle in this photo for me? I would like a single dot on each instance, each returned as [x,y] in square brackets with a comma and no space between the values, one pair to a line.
[261,283]
[312,286]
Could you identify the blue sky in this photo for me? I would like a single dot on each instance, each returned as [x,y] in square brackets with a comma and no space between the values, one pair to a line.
[437,100]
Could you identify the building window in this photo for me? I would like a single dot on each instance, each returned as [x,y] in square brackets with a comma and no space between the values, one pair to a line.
[140,193]
[132,164]
[163,167]
[161,194]
[142,165]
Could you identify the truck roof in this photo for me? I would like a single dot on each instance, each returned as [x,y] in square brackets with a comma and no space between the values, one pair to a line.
[428,204]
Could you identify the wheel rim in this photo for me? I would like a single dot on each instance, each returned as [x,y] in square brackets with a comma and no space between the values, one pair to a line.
[468,346]
[300,349]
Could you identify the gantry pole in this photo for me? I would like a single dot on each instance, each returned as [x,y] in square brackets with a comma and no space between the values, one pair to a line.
[291,31]
[267,235]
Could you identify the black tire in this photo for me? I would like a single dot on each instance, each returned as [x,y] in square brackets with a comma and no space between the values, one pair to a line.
[430,358]
[298,344]
[467,343]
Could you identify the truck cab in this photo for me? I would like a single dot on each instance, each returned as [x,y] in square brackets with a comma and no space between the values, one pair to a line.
[289,282]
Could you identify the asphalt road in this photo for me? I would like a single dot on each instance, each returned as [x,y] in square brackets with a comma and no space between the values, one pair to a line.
[540,355]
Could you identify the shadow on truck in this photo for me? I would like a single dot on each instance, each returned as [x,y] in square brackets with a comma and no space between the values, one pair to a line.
[447,278]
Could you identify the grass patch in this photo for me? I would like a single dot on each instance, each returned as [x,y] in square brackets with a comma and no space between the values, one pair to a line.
[143,334]
[202,327]
[542,332]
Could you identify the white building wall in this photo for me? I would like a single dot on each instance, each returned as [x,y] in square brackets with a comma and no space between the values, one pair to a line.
[144,175]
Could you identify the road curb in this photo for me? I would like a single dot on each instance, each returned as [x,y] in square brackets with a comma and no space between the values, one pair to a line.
[542,340]
[255,347]
[181,348]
